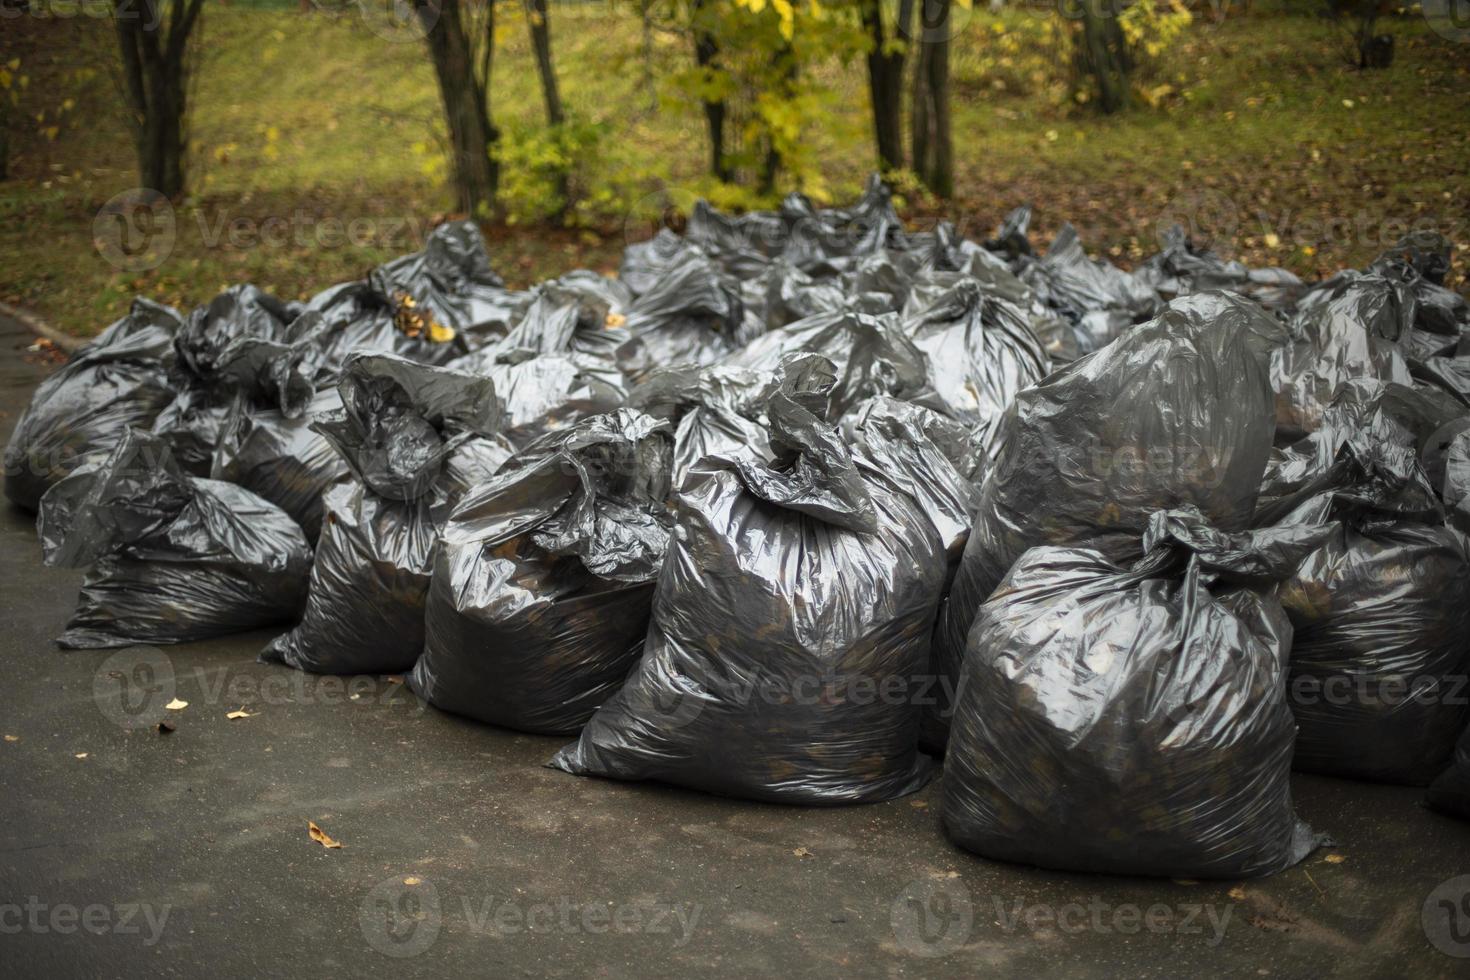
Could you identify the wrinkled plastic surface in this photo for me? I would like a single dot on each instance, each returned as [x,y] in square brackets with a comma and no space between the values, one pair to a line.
[415,438]
[431,306]
[789,624]
[981,352]
[242,324]
[1380,658]
[542,586]
[117,382]
[283,459]
[171,558]
[1108,299]
[1177,412]
[1450,792]
[1132,720]
[1346,330]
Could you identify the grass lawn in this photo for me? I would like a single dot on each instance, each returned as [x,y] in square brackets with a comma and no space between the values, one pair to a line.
[316,148]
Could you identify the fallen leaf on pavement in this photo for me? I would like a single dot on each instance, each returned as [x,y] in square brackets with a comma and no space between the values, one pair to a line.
[81,755]
[802,852]
[177,705]
[1334,859]
[320,836]
[242,713]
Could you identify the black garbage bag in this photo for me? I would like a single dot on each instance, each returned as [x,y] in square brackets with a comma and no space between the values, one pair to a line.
[428,306]
[980,351]
[715,410]
[1182,267]
[1349,330]
[276,454]
[543,583]
[1382,609]
[1010,240]
[241,324]
[872,354]
[693,314]
[1069,282]
[1450,791]
[117,382]
[171,557]
[558,365]
[1420,261]
[416,438]
[1133,719]
[1455,486]
[789,623]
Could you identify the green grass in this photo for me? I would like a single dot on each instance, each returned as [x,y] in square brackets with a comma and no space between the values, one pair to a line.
[306,118]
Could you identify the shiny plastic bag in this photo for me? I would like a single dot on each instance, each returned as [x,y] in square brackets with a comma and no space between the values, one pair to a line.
[789,624]
[279,456]
[416,438]
[1133,720]
[117,382]
[543,581]
[240,324]
[980,351]
[171,558]
[1175,413]
[1067,281]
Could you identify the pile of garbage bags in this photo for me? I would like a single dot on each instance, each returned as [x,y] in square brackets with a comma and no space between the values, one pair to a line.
[802,503]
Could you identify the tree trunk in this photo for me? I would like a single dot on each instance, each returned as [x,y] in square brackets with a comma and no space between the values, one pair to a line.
[933,151]
[707,56]
[466,100]
[645,14]
[155,83]
[541,45]
[885,81]
[4,135]
[1105,55]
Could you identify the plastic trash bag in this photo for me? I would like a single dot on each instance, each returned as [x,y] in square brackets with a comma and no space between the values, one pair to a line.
[789,623]
[117,382]
[1069,282]
[241,324]
[1181,267]
[1450,792]
[980,351]
[692,314]
[1379,663]
[872,355]
[427,306]
[416,438]
[171,557]
[1133,719]
[715,411]
[543,583]
[1348,331]
[279,456]
[558,365]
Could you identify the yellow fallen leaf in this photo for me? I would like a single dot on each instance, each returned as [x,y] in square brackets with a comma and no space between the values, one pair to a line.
[242,713]
[411,880]
[1237,893]
[1334,859]
[919,804]
[320,836]
[12,738]
[614,319]
[802,852]
[81,755]
[177,705]
[1271,240]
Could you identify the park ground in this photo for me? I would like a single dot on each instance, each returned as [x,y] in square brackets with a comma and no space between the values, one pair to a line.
[316,148]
